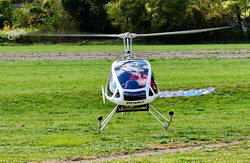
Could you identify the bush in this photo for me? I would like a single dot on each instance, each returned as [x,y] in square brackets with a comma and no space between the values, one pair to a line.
[13,35]
[47,15]
[20,18]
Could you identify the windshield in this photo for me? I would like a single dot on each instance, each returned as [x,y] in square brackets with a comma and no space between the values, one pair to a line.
[111,86]
[132,74]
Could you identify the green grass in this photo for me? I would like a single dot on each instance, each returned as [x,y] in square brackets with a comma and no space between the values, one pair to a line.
[233,153]
[114,48]
[49,109]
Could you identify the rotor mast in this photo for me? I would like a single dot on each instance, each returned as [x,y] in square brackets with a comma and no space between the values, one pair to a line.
[127,39]
[127,48]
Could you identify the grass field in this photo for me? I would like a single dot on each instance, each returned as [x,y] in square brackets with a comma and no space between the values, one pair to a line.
[49,109]
[114,48]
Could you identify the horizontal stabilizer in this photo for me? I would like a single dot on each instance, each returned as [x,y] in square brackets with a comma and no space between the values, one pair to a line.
[183,93]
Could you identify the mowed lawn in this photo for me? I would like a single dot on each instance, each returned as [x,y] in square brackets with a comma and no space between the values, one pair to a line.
[49,109]
[41,48]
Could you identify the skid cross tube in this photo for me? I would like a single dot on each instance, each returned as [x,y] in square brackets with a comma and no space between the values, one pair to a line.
[168,121]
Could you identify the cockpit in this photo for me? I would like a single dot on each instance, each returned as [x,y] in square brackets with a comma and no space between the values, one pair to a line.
[132,74]
[131,80]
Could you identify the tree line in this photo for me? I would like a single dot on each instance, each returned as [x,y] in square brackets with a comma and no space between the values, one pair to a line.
[139,16]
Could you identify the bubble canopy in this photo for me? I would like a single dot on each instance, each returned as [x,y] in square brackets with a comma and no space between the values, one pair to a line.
[132,74]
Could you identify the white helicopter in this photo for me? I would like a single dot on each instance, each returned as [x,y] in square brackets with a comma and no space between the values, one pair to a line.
[131,84]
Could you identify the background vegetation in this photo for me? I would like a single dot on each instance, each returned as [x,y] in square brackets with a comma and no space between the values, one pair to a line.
[140,16]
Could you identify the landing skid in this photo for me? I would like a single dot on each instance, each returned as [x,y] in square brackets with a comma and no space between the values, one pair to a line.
[147,107]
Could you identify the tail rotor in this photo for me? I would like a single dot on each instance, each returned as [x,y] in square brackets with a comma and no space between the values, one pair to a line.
[103,95]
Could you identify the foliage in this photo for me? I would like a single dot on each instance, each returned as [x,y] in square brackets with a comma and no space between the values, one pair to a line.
[238,12]
[90,14]
[20,18]
[140,16]
[53,11]
[12,35]
[150,16]
[5,12]
[129,15]
[47,15]
[206,13]
[158,16]
[167,15]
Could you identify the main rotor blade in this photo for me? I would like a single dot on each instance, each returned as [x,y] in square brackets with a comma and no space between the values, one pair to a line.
[72,35]
[127,35]
[182,32]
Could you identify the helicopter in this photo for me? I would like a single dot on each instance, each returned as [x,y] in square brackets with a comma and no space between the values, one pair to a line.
[131,84]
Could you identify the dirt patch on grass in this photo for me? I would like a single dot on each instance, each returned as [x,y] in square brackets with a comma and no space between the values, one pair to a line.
[173,145]
[117,55]
[166,148]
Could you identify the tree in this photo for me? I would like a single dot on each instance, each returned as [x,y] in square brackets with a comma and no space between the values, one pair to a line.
[168,15]
[129,15]
[238,12]
[90,14]
[146,15]
[6,8]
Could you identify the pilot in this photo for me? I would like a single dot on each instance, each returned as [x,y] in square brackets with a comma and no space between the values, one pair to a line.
[124,77]
[132,84]
[141,78]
